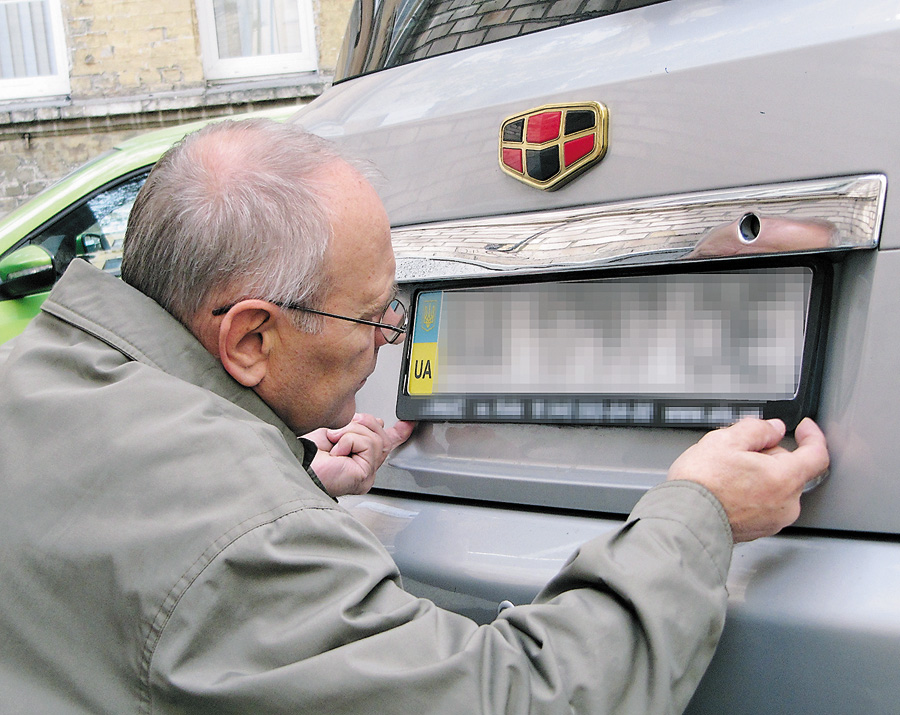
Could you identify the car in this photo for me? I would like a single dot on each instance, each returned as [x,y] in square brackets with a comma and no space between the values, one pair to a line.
[84,214]
[618,225]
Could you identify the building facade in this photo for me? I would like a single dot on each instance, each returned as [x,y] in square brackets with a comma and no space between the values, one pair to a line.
[78,76]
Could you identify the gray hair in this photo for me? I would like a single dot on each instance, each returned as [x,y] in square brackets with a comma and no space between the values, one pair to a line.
[234,211]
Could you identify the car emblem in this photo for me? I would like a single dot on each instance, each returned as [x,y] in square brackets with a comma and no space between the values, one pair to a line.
[549,146]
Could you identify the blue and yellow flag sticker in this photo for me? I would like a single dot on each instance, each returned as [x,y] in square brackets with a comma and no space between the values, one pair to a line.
[423,358]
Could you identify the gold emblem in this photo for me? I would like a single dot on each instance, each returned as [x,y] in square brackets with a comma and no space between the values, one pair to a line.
[548,146]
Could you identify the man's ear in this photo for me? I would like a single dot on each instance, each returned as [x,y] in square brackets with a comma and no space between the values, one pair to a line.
[247,334]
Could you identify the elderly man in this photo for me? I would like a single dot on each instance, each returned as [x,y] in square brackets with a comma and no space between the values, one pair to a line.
[167,547]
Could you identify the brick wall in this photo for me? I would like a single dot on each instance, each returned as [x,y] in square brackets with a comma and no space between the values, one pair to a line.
[134,66]
[127,46]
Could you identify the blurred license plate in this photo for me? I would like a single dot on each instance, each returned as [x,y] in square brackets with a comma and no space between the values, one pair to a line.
[693,348]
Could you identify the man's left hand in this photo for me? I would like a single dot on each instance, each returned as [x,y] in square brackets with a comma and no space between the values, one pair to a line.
[349,457]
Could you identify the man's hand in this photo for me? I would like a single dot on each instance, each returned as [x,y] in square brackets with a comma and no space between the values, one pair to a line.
[349,457]
[758,482]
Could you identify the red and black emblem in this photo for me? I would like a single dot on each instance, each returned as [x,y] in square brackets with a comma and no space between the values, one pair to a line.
[551,145]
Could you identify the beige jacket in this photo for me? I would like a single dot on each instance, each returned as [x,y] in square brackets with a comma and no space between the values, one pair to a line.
[163,549]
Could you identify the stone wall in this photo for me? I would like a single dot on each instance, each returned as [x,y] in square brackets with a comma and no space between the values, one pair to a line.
[134,66]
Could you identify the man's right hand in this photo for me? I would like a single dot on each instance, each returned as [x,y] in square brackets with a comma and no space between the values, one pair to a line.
[349,457]
[758,482]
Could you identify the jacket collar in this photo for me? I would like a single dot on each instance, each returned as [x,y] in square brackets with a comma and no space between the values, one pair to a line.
[139,328]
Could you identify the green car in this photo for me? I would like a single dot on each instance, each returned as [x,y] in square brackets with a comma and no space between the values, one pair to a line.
[82,215]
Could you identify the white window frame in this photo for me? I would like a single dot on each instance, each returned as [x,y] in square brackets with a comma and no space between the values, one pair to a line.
[42,85]
[216,68]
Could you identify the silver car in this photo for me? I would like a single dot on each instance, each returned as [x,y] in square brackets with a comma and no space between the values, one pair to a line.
[619,224]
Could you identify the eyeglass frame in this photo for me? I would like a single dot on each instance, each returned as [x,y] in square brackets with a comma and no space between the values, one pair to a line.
[396,330]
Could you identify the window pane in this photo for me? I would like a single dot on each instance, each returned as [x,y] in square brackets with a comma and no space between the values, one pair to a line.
[94,230]
[255,38]
[250,28]
[26,42]
[388,33]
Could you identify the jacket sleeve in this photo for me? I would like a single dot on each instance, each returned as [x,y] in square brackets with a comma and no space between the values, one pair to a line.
[305,613]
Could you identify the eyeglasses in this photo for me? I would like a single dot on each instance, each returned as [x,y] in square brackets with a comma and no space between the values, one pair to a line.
[392,321]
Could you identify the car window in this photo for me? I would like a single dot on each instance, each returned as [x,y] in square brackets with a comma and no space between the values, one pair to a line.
[388,33]
[93,229]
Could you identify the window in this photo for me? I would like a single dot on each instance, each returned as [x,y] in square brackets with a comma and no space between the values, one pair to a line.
[93,229]
[249,38]
[388,33]
[32,49]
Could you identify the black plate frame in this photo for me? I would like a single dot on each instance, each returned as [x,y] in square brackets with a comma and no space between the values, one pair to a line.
[638,410]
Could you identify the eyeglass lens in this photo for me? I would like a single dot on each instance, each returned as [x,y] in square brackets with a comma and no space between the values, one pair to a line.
[394,314]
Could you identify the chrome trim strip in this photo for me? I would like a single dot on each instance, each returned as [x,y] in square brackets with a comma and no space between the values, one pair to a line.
[819,215]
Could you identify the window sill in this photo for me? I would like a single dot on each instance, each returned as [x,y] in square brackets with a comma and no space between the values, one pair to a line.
[62,114]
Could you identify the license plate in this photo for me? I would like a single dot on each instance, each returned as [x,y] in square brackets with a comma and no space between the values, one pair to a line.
[695,347]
